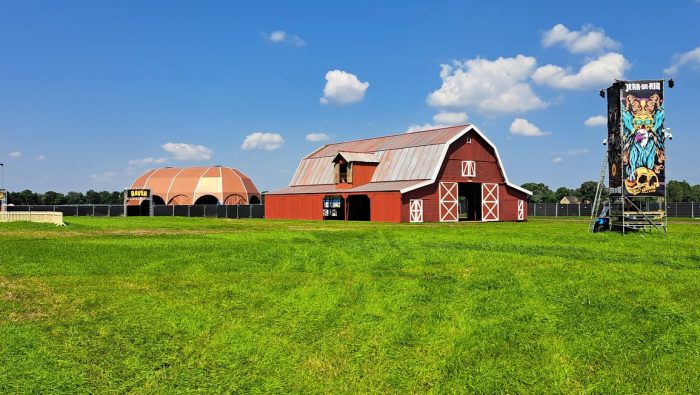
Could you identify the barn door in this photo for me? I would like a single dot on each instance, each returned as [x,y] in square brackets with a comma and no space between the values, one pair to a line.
[521,210]
[448,202]
[416,210]
[489,202]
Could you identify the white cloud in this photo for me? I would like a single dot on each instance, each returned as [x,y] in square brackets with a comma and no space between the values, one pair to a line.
[343,88]
[598,72]
[317,137]
[15,154]
[522,127]
[450,118]
[104,177]
[587,40]
[692,57]
[280,36]
[596,120]
[427,126]
[147,161]
[262,141]
[40,157]
[188,152]
[578,151]
[490,86]
[557,159]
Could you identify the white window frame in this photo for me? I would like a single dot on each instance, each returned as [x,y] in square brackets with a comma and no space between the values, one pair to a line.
[468,168]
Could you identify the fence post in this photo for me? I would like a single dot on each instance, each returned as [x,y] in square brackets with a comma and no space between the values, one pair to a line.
[556,209]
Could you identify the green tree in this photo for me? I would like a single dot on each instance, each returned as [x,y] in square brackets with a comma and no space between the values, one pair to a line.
[28,197]
[695,193]
[51,197]
[116,197]
[92,197]
[540,193]
[73,197]
[586,192]
[678,191]
[561,192]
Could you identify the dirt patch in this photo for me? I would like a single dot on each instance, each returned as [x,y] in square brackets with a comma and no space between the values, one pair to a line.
[29,299]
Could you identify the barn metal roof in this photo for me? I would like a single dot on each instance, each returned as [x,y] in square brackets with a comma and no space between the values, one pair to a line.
[402,157]
[331,188]
[411,158]
[358,157]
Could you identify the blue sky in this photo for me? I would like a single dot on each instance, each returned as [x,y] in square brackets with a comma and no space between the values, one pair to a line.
[92,94]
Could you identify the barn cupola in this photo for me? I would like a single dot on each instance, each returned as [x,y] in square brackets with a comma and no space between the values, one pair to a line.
[353,169]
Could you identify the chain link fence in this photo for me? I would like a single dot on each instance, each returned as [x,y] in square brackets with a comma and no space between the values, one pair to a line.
[116,210]
[673,209]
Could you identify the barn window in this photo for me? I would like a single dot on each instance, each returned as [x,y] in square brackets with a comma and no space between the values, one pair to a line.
[468,168]
[469,140]
[343,172]
[333,207]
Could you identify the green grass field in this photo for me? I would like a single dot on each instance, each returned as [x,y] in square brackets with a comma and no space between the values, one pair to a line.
[177,305]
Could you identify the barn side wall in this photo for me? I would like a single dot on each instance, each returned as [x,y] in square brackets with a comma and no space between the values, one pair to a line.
[384,206]
[508,203]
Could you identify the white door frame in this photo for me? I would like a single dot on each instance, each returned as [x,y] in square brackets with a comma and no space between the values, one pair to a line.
[489,202]
[521,210]
[416,210]
[448,192]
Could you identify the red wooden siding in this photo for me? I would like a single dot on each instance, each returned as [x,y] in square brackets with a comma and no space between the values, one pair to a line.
[294,206]
[362,173]
[509,203]
[384,206]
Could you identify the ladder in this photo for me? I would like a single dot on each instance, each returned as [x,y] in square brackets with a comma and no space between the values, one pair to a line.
[595,209]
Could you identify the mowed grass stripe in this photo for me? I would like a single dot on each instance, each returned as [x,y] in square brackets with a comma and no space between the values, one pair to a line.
[178,304]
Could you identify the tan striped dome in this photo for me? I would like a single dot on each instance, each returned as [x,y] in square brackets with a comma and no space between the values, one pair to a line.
[198,185]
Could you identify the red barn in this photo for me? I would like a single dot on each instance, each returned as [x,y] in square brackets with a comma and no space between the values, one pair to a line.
[442,175]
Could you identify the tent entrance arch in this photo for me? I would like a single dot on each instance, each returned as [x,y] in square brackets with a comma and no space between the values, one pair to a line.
[207,199]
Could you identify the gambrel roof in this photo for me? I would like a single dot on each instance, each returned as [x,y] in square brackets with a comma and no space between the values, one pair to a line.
[407,161]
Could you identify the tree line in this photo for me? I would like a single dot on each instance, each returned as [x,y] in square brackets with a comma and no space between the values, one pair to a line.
[28,197]
[676,191]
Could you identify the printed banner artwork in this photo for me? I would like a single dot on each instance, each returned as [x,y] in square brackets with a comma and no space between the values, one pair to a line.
[636,153]
[643,152]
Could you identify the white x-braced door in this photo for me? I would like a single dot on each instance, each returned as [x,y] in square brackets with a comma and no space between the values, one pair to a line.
[489,202]
[416,210]
[448,202]
[521,210]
